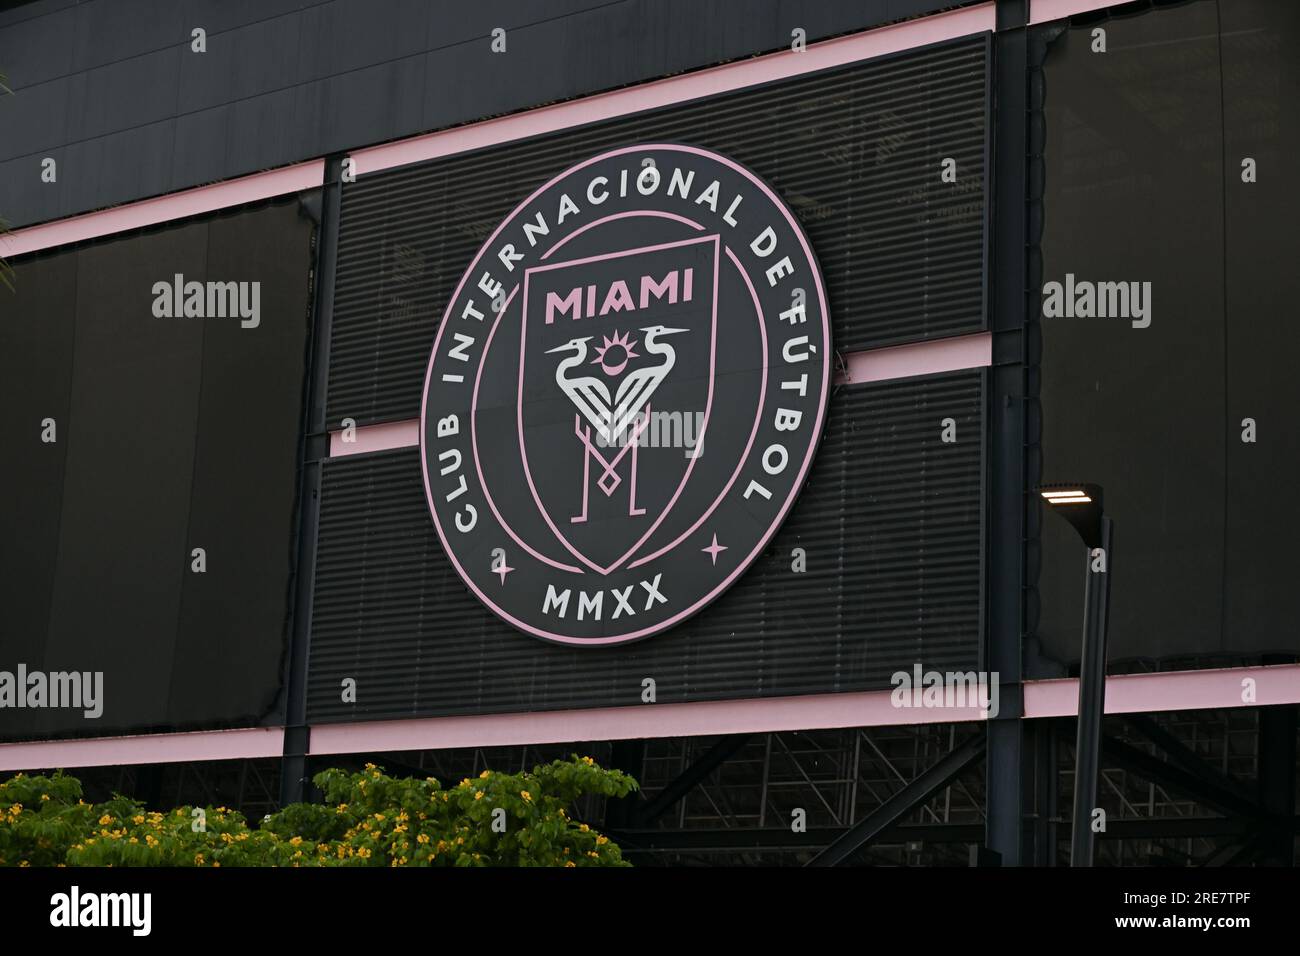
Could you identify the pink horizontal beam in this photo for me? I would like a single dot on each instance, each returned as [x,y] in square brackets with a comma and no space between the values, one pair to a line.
[150,212]
[677,89]
[1125,694]
[1041,11]
[813,712]
[922,358]
[147,748]
[874,365]
[1172,690]
[376,438]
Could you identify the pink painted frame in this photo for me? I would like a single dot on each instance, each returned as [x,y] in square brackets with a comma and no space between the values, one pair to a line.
[1274,685]
[825,55]
[151,212]
[147,748]
[1041,11]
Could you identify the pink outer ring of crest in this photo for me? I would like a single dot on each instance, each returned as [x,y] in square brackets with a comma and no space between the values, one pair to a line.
[744,564]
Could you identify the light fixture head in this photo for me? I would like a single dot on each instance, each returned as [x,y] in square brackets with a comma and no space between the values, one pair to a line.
[1079,503]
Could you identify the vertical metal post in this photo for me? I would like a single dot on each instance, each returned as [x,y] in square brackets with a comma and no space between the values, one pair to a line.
[294,785]
[1005,390]
[1092,698]
[1276,786]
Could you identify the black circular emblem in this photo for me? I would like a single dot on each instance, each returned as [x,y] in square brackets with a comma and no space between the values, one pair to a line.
[625,394]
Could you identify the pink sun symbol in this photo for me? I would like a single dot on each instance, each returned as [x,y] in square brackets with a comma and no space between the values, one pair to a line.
[621,343]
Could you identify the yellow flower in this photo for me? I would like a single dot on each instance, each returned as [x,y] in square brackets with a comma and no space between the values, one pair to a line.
[526,795]
[588,761]
[583,827]
[379,816]
[465,782]
[45,796]
[601,839]
[422,838]
[138,818]
[478,795]
[485,774]
[342,807]
[198,859]
[569,863]
[105,820]
[296,841]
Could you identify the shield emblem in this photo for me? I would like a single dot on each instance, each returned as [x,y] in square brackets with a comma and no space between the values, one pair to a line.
[616,366]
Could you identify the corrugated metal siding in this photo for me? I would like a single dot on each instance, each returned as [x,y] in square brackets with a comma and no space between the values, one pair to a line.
[856,153]
[891,520]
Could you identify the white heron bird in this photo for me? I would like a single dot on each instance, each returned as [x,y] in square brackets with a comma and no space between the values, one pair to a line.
[611,416]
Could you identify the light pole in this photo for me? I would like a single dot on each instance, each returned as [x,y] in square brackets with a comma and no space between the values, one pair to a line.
[1081,506]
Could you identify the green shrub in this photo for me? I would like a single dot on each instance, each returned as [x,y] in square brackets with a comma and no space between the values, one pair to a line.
[368,819]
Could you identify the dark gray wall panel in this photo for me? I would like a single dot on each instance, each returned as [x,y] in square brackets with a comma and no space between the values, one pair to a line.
[414,66]
[135,396]
[855,153]
[890,520]
[173,433]
[1143,183]
[37,327]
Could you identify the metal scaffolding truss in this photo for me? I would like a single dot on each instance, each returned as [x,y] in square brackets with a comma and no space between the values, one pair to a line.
[1209,787]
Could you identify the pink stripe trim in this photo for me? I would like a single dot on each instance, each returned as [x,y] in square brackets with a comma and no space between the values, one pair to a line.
[148,748]
[873,365]
[1175,690]
[620,723]
[149,212]
[1125,694]
[376,438]
[1041,11]
[652,95]
[922,358]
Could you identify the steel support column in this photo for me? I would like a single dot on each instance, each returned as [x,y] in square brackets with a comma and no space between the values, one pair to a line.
[1277,755]
[314,447]
[1005,767]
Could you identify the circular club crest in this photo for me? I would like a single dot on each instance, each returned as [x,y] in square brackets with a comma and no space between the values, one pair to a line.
[625,394]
